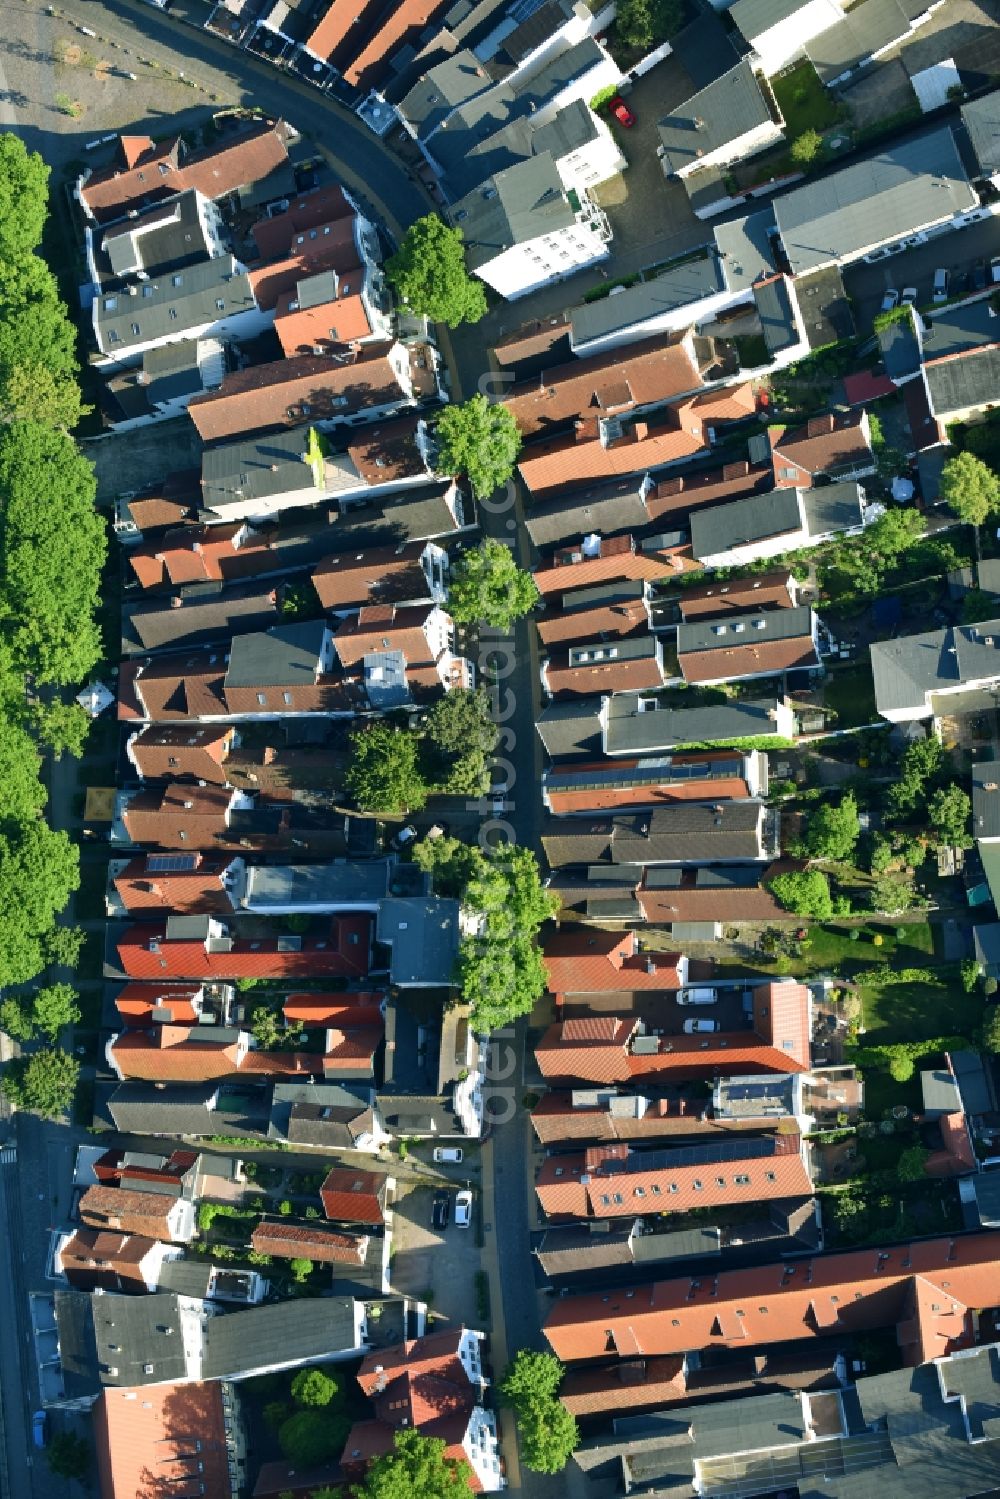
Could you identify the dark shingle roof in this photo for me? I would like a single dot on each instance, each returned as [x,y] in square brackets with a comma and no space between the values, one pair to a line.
[182,300]
[286,656]
[691,281]
[757,517]
[724,111]
[735,629]
[981,118]
[572,729]
[967,380]
[511,208]
[613,508]
[986,799]
[691,831]
[777,313]
[264,1336]
[630,731]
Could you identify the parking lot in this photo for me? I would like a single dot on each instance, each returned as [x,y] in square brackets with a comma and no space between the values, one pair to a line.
[437,1267]
[957,252]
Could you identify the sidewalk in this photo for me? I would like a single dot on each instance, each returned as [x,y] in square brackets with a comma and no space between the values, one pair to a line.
[499,1352]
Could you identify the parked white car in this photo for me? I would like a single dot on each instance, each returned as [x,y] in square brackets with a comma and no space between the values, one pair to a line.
[695,1027]
[447,1155]
[463,1209]
[697,996]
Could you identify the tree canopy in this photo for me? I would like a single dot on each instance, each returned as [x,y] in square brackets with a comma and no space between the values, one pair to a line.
[479,440]
[429,276]
[643,24]
[948,813]
[806,147]
[806,892]
[991,1029]
[892,894]
[69,1456]
[384,774]
[312,1436]
[548,1431]
[39,870]
[969,488]
[833,830]
[43,1082]
[52,548]
[919,769]
[38,363]
[24,198]
[487,585]
[416,1468]
[46,1014]
[501,971]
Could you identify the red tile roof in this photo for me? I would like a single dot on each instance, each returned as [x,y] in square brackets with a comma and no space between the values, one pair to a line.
[690,901]
[864,386]
[775,590]
[324,205]
[344,1009]
[608,621]
[177,686]
[402,23]
[193,554]
[180,817]
[624,674]
[323,327]
[628,1386]
[169,752]
[581,960]
[557,1118]
[126,1210]
[331,247]
[354,1196]
[384,627]
[271,395]
[161,1440]
[648,785]
[135,1003]
[201,888]
[324,1246]
[824,444]
[755,658]
[678,495]
[618,560]
[925,1288]
[146,174]
[657,369]
[352,1052]
[612,1181]
[95,1259]
[146,952]
[235,161]
[353,579]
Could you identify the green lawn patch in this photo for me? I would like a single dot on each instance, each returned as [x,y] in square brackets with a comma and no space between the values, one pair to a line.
[915,1012]
[850,692]
[803,101]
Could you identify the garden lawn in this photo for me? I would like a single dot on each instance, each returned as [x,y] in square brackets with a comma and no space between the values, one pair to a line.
[915,1012]
[850,692]
[803,101]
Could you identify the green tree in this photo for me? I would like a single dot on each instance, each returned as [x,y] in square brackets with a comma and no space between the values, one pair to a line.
[891,894]
[806,147]
[949,812]
[24,198]
[63,946]
[910,1166]
[311,1437]
[450,863]
[62,726]
[461,720]
[501,971]
[384,774]
[301,1269]
[879,854]
[806,892]
[429,276]
[991,1030]
[833,830]
[416,1468]
[69,1456]
[548,1431]
[969,973]
[901,1066]
[39,870]
[466,775]
[643,24]
[38,364]
[481,441]
[22,795]
[313,1387]
[266,1028]
[54,1007]
[969,488]
[15,1020]
[487,584]
[919,768]
[51,555]
[42,1083]
[894,533]
[275,1414]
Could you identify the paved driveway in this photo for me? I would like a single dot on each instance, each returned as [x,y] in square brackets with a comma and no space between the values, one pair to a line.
[958,251]
[437,1267]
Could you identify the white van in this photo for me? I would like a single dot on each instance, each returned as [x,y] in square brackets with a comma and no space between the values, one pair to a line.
[697,996]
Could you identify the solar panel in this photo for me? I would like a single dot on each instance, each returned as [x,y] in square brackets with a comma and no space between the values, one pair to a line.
[161,863]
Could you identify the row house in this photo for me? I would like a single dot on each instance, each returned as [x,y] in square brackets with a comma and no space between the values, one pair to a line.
[741,647]
[212,299]
[199,1054]
[773,523]
[617,1181]
[598,559]
[603,448]
[190,818]
[608,1049]
[100,1259]
[630,663]
[643,724]
[737,832]
[927,1291]
[129,1210]
[185,883]
[605,611]
[422,637]
[693,903]
[605,785]
[398,576]
[250,163]
[185,947]
[141,1006]
[923,676]
[606,1115]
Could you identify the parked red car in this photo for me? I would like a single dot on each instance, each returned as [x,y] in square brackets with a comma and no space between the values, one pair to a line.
[621,111]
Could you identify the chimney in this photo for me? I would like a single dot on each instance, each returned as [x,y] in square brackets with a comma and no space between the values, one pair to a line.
[176,602]
[270,755]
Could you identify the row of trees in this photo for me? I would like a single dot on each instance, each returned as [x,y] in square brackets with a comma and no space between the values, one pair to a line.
[501,972]
[52,550]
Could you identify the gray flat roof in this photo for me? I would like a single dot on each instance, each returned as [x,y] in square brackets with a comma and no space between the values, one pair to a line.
[964,381]
[986,799]
[632,731]
[445,87]
[724,111]
[832,507]
[774,300]
[571,730]
[257,467]
[423,935]
[754,17]
[756,517]
[883,196]
[745,629]
[981,118]
[745,248]
[953,330]
[317,884]
[691,281]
